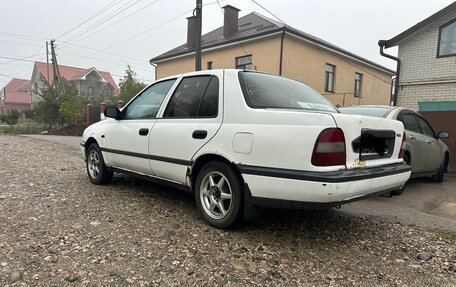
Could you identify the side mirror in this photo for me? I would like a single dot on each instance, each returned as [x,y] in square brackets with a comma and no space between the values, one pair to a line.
[112,112]
[443,135]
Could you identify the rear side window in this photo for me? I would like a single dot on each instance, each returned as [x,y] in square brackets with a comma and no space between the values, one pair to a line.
[262,91]
[410,123]
[194,97]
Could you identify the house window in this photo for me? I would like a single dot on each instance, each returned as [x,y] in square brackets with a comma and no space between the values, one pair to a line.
[209,65]
[329,78]
[107,92]
[358,84]
[447,40]
[90,92]
[244,63]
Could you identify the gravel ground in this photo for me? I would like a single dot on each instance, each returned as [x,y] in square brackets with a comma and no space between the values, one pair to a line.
[57,229]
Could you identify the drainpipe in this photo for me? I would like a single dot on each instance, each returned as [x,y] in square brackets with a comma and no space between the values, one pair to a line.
[382,44]
[281,52]
[155,67]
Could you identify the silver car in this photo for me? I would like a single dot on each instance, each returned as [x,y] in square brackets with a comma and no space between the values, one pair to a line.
[424,151]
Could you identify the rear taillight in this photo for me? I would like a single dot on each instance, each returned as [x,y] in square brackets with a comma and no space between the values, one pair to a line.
[329,148]
[401,152]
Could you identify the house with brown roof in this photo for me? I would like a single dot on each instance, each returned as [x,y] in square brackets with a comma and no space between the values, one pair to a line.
[89,82]
[263,44]
[15,96]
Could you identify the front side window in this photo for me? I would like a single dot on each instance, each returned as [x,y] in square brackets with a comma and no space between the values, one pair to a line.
[358,84]
[244,63]
[194,97]
[264,91]
[425,127]
[329,78]
[147,104]
[447,39]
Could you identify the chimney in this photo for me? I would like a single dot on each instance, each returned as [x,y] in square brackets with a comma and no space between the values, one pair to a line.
[230,23]
[191,31]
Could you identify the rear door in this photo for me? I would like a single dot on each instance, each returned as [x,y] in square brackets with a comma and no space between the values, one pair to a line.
[416,140]
[192,117]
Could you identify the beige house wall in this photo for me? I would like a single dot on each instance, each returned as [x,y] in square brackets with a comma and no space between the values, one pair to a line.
[301,61]
[307,63]
[265,56]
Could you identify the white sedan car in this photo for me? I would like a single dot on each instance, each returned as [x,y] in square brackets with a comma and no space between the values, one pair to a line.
[240,139]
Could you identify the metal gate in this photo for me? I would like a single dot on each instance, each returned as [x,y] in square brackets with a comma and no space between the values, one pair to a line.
[445,121]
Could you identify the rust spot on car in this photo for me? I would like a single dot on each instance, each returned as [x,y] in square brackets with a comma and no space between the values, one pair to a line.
[358,164]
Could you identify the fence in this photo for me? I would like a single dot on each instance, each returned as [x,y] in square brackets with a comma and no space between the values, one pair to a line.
[96,113]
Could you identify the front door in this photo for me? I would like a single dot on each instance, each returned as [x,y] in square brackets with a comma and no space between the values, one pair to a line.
[128,138]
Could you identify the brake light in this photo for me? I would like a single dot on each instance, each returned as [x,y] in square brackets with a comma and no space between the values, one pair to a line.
[329,148]
[402,150]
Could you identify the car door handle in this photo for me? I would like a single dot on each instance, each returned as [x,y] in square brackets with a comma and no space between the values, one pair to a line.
[412,137]
[428,141]
[143,132]
[199,134]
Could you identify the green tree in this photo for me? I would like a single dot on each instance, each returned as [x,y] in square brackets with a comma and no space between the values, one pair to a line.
[11,118]
[129,85]
[47,110]
[72,106]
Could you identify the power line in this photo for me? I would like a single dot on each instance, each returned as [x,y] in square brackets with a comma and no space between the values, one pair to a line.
[139,34]
[103,20]
[23,36]
[146,31]
[108,53]
[112,24]
[113,3]
[262,7]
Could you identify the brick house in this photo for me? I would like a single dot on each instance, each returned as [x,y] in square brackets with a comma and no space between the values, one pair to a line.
[260,43]
[89,82]
[427,53]
[427,77]
[15,96]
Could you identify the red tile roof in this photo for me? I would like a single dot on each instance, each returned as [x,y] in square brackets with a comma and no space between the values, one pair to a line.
[17,91]
[74,73]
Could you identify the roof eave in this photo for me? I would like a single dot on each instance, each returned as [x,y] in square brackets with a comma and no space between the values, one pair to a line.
[396,39]
[236,40]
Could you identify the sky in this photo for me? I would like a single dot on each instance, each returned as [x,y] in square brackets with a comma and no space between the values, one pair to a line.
[111,34]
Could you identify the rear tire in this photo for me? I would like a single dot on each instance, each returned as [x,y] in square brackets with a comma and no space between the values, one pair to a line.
[96,168]
[218,195]
[401,190]
[438,177]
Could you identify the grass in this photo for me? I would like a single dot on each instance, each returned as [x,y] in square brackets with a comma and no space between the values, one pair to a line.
[23,127]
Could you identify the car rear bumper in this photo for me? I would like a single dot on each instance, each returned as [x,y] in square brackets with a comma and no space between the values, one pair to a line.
[321,189]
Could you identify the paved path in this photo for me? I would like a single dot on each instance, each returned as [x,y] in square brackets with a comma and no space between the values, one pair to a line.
[73,142]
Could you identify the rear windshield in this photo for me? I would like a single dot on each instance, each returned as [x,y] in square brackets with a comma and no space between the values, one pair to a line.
[263,91]
[366,111]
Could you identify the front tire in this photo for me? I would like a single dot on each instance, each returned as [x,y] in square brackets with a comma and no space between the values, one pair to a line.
[96,168]
[438,177]
[218,195]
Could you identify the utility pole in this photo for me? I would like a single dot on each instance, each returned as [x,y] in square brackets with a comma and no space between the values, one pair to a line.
[198,10]
[47,60]
[55,68]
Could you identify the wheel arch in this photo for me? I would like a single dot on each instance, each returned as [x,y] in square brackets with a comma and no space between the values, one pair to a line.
[88,142]
[206,158]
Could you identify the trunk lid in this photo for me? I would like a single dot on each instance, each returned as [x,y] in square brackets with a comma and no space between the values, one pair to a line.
[370,141]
